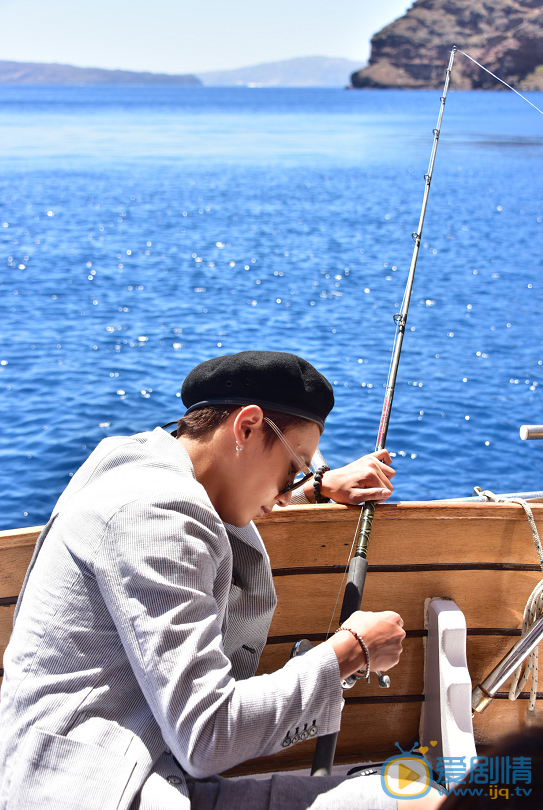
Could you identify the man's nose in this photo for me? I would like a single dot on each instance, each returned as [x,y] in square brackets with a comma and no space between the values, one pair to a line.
[284,499]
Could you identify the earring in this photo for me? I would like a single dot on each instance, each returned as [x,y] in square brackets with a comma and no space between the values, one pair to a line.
[239,446]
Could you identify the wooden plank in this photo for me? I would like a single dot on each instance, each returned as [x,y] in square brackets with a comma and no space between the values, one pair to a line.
[307,536]
[16,549]
[411,533]
[405,510]
[406,679]
[6,626]
[18,537]
[483,653]
[365,730]
[487,598]
[461,533]
[13,565]
[502,717]
[372,727]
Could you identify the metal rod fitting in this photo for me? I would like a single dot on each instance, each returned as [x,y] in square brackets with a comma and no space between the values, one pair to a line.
[531,432]
[483,694]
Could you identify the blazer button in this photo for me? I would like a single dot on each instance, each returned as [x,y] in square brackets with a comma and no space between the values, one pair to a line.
[313,730]
[286,742]
[174,780]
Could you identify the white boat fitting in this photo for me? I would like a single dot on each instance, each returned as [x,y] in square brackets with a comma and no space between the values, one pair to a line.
[446,724]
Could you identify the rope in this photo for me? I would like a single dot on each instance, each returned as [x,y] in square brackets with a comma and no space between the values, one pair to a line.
[532,612]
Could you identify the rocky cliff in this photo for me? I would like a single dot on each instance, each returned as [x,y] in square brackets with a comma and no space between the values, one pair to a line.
[504,35]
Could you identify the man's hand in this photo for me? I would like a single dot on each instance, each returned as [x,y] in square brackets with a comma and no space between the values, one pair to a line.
[383,634]
[366,479]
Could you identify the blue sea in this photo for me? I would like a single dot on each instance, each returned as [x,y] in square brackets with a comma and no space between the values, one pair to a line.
[145,229]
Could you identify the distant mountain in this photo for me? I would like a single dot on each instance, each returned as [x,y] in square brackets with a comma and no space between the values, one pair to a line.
[37,73]
[304,71]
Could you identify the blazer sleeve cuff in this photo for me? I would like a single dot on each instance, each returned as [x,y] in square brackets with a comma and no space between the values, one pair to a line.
[322,671]
[299,498]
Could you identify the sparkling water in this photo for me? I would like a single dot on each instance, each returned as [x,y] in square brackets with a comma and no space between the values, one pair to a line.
[144,230]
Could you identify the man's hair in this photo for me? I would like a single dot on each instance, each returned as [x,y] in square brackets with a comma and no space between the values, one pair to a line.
[206,420]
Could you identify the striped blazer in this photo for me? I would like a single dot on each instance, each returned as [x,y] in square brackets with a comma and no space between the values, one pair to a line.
[140,630]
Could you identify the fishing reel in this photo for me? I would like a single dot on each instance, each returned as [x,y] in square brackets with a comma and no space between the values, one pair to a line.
[304,645]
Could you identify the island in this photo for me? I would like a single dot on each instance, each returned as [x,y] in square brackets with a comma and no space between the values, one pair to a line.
[38,73]
[412,52]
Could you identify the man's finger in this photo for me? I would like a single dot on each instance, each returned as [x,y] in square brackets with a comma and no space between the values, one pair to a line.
[377,478]
[372,494]
[390,472]
[383,455]
[381,466]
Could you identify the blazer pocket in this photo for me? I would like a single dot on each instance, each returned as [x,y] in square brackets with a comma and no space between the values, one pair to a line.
[236,590]
[59,773]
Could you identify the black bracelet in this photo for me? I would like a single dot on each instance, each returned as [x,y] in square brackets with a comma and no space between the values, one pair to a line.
[317,484]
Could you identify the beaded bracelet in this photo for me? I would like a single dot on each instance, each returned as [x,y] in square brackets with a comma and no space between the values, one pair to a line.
[317,480]
[362,643]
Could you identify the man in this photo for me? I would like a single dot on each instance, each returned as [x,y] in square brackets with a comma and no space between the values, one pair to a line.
[130,672]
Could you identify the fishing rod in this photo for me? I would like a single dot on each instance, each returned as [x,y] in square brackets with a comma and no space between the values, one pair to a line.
[326,745]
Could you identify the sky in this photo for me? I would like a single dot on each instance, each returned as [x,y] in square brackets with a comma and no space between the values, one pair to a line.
[178,36]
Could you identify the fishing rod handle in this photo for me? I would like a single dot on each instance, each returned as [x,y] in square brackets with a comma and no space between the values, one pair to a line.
[355,586]
[325,750]
[323,758]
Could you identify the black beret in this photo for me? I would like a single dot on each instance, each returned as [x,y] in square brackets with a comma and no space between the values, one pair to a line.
[274,380]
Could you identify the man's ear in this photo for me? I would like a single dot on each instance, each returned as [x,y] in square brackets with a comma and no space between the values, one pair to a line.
[246,422]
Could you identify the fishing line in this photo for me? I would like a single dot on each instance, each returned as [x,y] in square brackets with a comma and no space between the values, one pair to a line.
[400,322]
[500,80]
[406,295]
[328,634]
[357,531]
[326,744]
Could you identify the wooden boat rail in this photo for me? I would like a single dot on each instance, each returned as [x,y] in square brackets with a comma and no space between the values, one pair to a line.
[481,555]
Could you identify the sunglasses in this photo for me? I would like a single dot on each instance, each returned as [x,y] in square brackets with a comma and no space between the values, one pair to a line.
[300,464]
